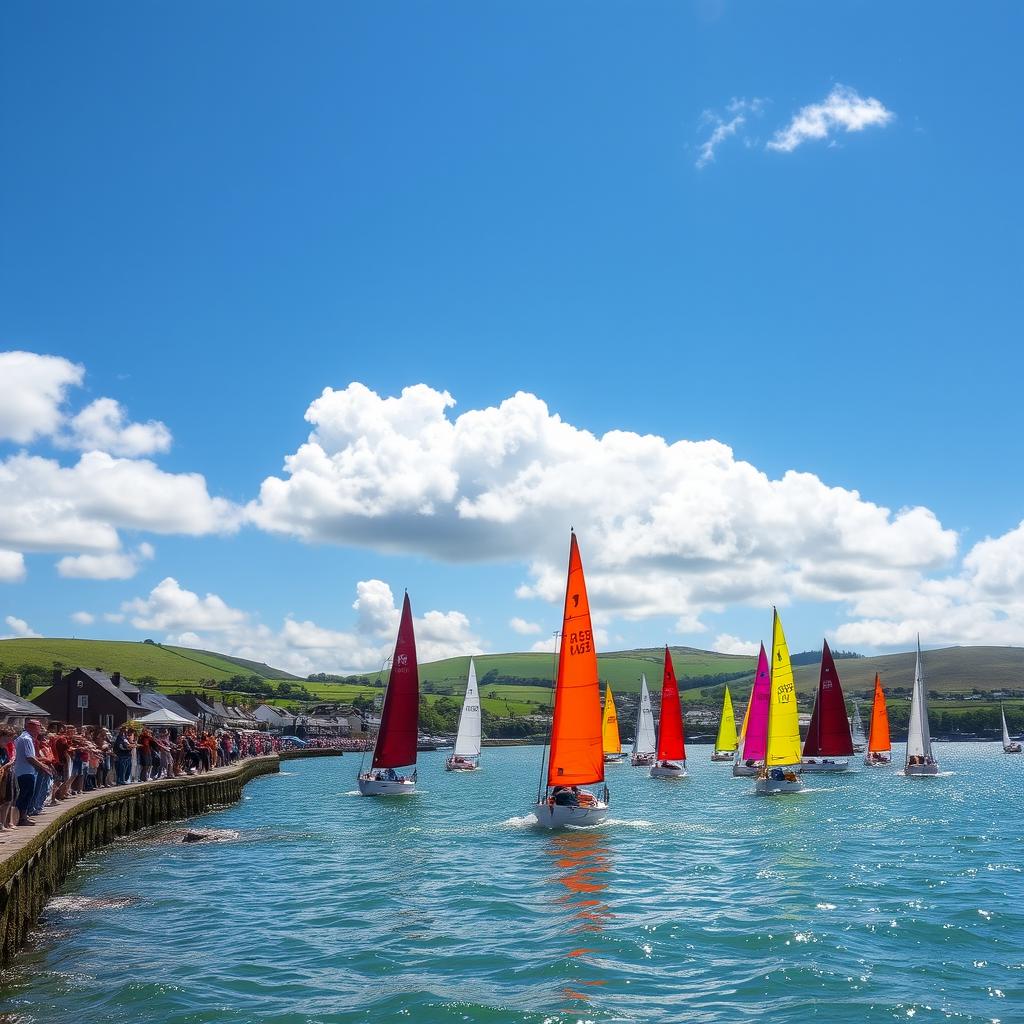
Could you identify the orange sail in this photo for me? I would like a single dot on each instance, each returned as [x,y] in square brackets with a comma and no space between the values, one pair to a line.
[878,731]
[577,753]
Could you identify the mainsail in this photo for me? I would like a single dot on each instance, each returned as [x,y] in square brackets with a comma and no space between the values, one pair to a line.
[671,746]
[878,730]
[829,732]
[857,728]
[919,740]
[576,757]
[644,741]
[755,740]
[610,724]
[467,741]
[726,739]
[1006,732]
[399,720]
[783,721]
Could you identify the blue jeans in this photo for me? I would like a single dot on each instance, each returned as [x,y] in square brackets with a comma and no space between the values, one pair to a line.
[42,787]
[26,790]
[123,767]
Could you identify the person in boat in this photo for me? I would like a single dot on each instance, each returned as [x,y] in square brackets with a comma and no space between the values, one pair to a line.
[563,796]
[777,775]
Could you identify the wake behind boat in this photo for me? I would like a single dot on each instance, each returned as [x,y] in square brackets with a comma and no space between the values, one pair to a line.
[465,756]
[828,741]
[576,755]
[395,746]
[782,749]
[920,760]
[671,759]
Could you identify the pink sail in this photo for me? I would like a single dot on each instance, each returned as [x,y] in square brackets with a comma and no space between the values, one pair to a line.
[756,741]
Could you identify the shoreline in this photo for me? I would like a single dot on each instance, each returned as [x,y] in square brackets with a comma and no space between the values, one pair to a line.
[35,861]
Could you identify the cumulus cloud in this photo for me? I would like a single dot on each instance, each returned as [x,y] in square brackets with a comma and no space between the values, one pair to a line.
[83,618]
[737,114]
[19,628]
[666,527]
[725,643]
[300,646]
[844,109]
[32,390]
[522,627]
[102,426]
[115,565]
[12,566]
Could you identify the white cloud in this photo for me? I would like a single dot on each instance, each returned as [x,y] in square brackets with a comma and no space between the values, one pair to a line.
[842,110]
[522,627]
[740,109]
[114,616]
[300,646]
[12,566]
[728,644]
[116,565]
[83,618]
[679,528]
[32,390]
[19,628]
[544,646]
[101,426]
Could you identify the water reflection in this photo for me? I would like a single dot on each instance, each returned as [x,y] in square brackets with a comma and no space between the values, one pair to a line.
[581,862]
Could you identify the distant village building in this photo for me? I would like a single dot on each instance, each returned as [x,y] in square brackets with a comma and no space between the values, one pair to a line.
[14,709]
[91,697]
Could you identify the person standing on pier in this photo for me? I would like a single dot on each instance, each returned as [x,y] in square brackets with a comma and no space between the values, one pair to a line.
[26,767]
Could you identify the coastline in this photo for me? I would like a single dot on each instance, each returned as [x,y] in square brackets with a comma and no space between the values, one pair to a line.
[34,862]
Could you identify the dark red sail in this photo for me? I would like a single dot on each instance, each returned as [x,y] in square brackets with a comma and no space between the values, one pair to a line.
[396,741]
[670,729]
[829,731]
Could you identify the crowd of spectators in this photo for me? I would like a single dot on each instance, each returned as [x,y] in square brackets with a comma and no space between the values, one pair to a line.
[41,766]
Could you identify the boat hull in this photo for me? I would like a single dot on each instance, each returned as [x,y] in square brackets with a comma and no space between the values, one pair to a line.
[918,771]
[1013,748]
[859,748]
[744,771]
[641,760]
[369,786]
[823,766]
[552,815]
[460,766]
[875,761]
[614,758]
[725,755]
[668,771]
[771,787]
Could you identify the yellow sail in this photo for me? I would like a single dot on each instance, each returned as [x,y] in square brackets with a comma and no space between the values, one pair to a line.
[727,726]
[783,724]
[610,725]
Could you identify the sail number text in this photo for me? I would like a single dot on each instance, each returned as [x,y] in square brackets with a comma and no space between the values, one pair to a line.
[581,642]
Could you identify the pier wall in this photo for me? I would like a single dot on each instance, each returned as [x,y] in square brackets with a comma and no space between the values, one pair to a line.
[38,863]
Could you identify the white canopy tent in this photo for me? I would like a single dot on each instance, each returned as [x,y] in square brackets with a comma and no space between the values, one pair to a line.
[162,717]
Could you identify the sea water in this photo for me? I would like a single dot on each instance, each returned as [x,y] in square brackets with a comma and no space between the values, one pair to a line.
[869,897]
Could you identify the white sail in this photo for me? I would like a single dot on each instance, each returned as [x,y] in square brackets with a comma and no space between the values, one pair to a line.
[467,742]
[645,740]
[919,740]
[1006,732]
[857,729]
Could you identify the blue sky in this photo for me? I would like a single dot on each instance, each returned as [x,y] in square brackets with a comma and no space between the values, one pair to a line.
[217,211]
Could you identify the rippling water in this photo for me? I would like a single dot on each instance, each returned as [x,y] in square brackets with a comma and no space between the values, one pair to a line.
[870,897]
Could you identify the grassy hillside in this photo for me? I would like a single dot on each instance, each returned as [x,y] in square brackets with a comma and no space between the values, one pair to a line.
[132,659]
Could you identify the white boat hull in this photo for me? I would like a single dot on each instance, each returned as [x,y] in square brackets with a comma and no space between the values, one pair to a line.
[770,787]
[823,766]
[745,771]
[1013,748]
[614,758]
[723,755]
[873,761]
[369,786]
[668,771]
[552,815]
[913,771]
[641,760]
[461,766]
[859,748]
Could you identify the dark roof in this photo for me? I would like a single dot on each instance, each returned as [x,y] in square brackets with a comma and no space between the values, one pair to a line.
[12,704]
[153,701]
[102,680]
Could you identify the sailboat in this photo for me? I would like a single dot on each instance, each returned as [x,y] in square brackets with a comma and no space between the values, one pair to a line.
[828,735]
[644,740]
[1009,746]
[879,745]
[725,741]
[920,760]
[395,746]
[575,756]
[754,734]
[611,743]
[671,759]
[857,730]
[466,755]
[782,750]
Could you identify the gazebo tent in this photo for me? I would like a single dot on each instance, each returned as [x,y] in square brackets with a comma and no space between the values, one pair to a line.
[166,718]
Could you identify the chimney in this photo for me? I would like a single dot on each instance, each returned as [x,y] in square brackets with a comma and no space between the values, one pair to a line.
[115,678]
[57,676]
[12,682]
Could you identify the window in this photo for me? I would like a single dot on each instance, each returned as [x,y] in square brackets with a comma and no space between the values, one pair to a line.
[107,721]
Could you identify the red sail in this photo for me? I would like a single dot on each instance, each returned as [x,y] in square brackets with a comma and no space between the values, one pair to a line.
[396,741]
[670,731]
[829,731]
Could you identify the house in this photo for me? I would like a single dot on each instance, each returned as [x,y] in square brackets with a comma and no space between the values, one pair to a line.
[274,718]
[91,697]
[198,708]
[14,709]
[153,701]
